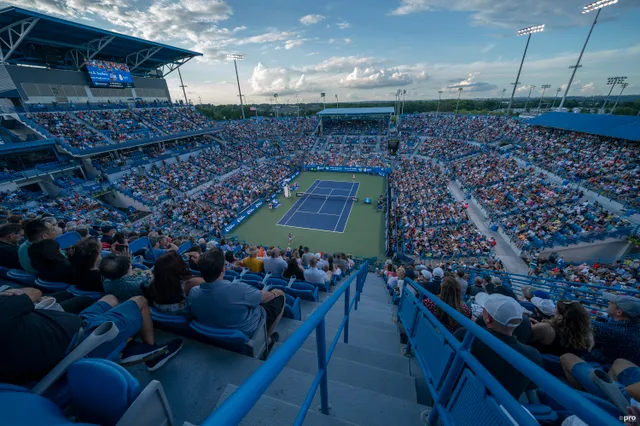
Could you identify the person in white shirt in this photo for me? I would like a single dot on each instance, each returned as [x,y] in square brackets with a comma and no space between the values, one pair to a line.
[275,263]
[314,275]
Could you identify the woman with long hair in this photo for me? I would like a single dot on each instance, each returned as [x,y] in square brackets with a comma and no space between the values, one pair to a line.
[449,294]
[85,259]
[569,331]
[293,270]
[172,281]
[48,260]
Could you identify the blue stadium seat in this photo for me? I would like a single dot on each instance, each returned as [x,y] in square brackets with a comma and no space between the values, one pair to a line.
[253,277]
[178,324]
[253,283]
[301,290]
[233,340]
[292,308]
[231,273]
[184,247]
[3,272]
[277,281]
[68,239]
[77,292]
[50,286]
[21,277]
[101,392]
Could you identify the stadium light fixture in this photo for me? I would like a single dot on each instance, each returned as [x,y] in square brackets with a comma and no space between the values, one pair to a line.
[558,90]
[440,92]
[529,97]
[624,86]
[528,32]
[237,57]
[599,5]
[611,81]
[275,96]
[322,95]
[544,89]
[337,102]
[458,103]
[502,98]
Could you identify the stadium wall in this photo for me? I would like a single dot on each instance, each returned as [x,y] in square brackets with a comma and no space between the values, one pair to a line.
[40,85]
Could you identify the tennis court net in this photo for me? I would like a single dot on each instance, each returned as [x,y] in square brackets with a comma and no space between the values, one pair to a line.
[326,197]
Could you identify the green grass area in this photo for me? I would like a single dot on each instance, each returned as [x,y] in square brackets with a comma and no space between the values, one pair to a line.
[363,236]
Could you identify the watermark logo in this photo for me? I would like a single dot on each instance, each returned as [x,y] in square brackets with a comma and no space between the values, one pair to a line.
[628,419]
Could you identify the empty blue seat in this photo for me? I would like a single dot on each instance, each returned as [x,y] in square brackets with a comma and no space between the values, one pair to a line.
[304,291]
[21,277]
[184,247]
[232,273]
[50,286]
[77,292]
[68,239]
[292,308]
[178,324]
[277,281]
[253,277]
[233,340]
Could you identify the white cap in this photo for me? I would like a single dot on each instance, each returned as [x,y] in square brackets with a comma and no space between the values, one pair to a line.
[425,273]
[504,309]
[546,306]
[438,272]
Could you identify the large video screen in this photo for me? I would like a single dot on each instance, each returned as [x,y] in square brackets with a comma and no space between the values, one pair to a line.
[109,74]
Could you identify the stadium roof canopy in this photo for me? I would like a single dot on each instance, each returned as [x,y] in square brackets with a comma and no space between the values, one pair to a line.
[615,126]
[32,38]
[356,111]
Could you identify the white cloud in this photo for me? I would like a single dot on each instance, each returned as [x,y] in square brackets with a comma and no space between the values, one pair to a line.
[312,19]
[470,84]
[290,44]
[506,13]
[347,40]
[343,25]
[266,81]
[374,78]
[489,47]
[588,89]
[338,64]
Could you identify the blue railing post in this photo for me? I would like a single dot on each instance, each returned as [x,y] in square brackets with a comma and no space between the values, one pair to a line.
[321,344]
[347,302]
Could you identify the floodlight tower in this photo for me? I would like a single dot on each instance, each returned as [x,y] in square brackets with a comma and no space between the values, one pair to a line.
[624,86]
[544,89]
[598,5]
[528,32]
[502,98]
[458,103]
[275,97]
[558,90]
[404,99]
[440,92]
[322,96]
[529,97]
[337,102]
[237,57]
[611,81]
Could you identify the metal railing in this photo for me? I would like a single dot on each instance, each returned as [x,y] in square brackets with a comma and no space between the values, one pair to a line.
[444,360]
[238,405]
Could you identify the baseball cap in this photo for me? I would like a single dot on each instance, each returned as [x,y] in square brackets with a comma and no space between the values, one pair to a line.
[438,272]
[426,274]
[546,306]
[504,309]
[628,304]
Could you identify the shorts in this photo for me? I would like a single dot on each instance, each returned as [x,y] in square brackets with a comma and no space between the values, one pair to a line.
[273,309]
[126,316]
[582,373]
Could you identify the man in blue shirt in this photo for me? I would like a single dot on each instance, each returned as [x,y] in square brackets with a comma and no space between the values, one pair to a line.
[159,246]
[275,263]
[314,275]
[224,246]
[222,304]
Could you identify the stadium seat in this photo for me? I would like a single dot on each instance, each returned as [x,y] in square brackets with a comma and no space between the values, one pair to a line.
[77,292]
[231,273]
[301,290]
[233,340]
[292,308]
[21,277]
[277,281]
[50,286]
[3,272]
[68,239]
[184,247]
[178,324]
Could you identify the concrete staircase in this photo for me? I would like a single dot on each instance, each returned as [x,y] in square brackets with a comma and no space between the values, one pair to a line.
[370,382]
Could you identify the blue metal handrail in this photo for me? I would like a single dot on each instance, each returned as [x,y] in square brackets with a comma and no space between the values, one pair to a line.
[238,405]
[557,390]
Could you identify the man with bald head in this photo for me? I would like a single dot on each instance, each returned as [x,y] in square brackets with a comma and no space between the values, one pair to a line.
[275,263]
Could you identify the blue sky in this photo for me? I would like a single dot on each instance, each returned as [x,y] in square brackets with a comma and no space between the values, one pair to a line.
[367,49]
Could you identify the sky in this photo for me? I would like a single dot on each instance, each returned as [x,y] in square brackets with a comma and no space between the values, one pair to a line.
[363,50]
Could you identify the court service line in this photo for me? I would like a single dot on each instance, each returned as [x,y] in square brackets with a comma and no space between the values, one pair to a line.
[325,201]
[312,229]
[322,214]
[357,186]
[301,201]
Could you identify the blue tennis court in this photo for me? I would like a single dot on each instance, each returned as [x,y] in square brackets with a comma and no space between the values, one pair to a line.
[318,211]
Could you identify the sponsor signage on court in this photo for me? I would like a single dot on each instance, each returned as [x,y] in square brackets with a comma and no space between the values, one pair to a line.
[348,169]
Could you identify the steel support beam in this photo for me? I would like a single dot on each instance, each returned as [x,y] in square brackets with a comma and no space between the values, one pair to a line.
[87,52]
[134,60]
[172,66]
[12,35]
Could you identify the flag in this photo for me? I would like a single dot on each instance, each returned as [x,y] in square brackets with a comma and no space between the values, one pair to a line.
[253,108]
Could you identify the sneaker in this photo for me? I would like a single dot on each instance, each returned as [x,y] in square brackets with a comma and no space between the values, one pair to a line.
[137,352]
[173,347]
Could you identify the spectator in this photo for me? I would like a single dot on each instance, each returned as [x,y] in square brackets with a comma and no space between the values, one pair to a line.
[449,294]
[342,263]
[306,257]
[314,275]
[229,260]
[159,246]
[275,264]
[10,236]
[496,283]
[172,282]
[478,286]
[35,230]
[252,262]
[31,358]
[50,263]
[106,238]
[460,275]
[219,303]
[120,280]
[85,259]
[501,315]
[293,270]
[569,331]
[224,246]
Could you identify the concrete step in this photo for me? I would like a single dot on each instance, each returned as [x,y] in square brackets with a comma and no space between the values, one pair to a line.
[382,341]
[272,411]
[396,363]
[364,313]
[357,374]
[308,307]
[335,320]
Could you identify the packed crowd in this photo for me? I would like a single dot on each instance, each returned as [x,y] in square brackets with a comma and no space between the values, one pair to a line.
[446,150]
[428,222]
[621,274]
[448,126]
[141,187]
[69,128]
[360,126]
[531,209]
[120,125]
[182,175]
[347,160]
